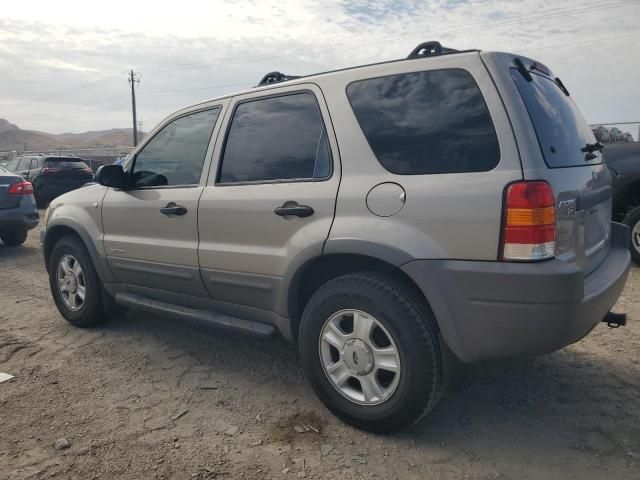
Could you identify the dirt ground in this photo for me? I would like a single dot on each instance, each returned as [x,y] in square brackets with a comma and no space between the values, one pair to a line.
[148,398]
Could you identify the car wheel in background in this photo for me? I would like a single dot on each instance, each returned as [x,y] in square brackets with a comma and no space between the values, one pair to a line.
[14,239]
[40,203]
[74,283]
[370,349]
[633,220]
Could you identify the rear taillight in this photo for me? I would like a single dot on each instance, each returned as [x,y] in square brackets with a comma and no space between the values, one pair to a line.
[20,188]
[47,170]
[529,223]
[87,170]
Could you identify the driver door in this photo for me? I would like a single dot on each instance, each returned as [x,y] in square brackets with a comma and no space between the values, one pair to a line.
[151,228]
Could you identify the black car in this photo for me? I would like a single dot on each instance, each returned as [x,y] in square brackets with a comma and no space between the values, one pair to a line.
[51,175]
[623,161]
[18,211]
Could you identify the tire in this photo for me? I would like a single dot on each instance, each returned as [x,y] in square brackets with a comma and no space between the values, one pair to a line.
[40,203]
[14,239]
[632,219]
[89,311]
[403,322]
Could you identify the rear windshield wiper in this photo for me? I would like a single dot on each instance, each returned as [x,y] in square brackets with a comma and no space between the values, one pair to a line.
[589,148]
[593,147]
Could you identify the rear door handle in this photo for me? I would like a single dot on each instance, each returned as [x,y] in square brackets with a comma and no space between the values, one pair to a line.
[293,209]
[173,209]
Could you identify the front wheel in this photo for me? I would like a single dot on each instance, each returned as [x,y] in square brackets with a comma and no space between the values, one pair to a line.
[75,284]
[632,219]
[370,348]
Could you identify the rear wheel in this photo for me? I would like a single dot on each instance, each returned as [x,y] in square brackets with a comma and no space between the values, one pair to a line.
[40,203]
[370,349]
[75,284]
[14,239]
[633,220]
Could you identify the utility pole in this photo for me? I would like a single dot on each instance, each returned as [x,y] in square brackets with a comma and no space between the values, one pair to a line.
[133,80]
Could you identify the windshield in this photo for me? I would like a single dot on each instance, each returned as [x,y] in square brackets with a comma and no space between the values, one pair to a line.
[561,129]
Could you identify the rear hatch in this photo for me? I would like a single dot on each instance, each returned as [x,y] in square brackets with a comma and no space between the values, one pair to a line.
[68,172]
[573,166]
[6,180]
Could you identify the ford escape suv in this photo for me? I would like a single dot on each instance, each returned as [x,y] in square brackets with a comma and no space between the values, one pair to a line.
[388,218]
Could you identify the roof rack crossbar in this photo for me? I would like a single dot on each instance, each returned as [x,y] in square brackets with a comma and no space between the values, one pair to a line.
[275,77]
[433,49]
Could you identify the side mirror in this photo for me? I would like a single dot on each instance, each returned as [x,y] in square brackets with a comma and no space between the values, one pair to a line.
[112,176]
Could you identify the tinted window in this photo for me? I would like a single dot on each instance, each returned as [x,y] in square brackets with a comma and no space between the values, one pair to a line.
[561,129]
[277,138]
[175,155]
[426,122]
[66,163]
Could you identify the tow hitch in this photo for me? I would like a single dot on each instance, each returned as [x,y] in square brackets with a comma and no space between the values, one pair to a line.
[615,320]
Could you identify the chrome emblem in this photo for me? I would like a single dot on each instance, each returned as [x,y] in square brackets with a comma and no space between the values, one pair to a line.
[569,205]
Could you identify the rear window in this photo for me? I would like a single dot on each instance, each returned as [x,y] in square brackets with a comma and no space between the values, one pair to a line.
[561,129]
[426,122]
[66,163]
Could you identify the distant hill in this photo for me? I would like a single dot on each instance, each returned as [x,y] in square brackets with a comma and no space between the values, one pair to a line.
[13,137]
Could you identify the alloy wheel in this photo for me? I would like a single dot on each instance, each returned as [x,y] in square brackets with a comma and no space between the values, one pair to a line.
[71,282]
[359,357]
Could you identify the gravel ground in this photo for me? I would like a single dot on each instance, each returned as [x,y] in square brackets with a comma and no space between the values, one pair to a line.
[144,397]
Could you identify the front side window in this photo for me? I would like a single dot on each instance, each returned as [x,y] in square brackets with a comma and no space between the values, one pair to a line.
[426,122]
[175,155]
[276,138]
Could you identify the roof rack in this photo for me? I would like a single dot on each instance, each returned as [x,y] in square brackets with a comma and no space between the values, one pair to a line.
[275,77]
[433,49]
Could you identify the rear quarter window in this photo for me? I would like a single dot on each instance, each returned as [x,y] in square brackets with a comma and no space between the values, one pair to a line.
[426,122]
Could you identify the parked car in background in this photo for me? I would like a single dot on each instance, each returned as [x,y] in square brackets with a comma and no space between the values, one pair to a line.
[623,160]
[18,212]
[51,176]
[385,217]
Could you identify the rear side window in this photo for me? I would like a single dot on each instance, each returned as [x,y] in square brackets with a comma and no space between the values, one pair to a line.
[276,138]
[561,129]
[426,122]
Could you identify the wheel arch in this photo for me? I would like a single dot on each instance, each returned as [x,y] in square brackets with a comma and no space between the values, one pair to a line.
[626,199]
[325,267]
[63,228]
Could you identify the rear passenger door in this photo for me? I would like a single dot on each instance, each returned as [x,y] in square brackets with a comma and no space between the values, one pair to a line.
[269,201]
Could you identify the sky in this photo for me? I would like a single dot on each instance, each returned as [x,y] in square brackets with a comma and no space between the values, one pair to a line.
[64,63]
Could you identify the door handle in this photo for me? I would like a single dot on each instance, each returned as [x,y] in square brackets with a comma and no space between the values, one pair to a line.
[173,209]
[293,209]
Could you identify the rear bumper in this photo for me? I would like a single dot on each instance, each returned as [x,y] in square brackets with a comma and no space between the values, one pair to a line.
[25,217]
[500,309]
[49,190]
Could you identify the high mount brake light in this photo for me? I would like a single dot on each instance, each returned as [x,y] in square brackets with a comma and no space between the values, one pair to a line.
[529,222]
[21,188]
